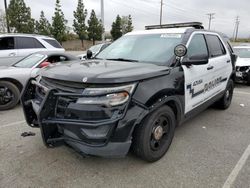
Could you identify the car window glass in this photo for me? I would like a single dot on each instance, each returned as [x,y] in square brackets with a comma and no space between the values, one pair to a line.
[215,45]
[29,61]
[148,48]
[53,43]
[242,52]
[7,43]
[28,43]
[197,46]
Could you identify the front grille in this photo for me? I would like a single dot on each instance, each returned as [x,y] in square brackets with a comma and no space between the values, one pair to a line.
[63,86]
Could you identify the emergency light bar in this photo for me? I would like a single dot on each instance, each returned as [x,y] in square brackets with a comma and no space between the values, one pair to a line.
[196,25]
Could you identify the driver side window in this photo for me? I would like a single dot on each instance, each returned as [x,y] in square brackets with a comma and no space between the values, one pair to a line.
[197,47]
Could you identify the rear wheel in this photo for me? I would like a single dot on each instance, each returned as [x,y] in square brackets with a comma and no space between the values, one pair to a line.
[226,100]
[9,95]
[248,79]
[154,136]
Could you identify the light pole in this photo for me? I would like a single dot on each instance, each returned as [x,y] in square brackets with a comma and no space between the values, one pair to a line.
[6,15]
[102,15]
[161,12]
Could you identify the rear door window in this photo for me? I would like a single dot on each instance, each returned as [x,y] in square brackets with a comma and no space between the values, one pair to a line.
[216,48]
[7,43]
[28,43]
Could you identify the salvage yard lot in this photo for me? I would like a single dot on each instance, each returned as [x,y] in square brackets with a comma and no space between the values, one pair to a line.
[204,153]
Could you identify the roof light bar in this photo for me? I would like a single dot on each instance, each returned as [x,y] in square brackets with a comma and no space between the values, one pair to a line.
[196,25]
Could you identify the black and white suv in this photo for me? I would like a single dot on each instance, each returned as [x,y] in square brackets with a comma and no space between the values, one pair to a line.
[134,93]
[14,47]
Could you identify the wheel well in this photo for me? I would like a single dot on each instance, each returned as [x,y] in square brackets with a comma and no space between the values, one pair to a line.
[173,106]
[13,81]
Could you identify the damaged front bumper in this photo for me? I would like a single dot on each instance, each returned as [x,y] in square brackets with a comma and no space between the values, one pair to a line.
[89,129]
[243,73]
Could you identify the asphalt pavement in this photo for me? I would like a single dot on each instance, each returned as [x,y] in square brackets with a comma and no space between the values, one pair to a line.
[210,150]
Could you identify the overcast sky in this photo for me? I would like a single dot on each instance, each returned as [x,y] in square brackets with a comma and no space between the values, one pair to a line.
[146,12]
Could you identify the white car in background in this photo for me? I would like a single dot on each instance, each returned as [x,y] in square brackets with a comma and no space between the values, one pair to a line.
[14,47]
[243,64]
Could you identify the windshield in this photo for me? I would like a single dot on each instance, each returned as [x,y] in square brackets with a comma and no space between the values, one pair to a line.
[242,52]
[149,48]
[96,48]
[29,61]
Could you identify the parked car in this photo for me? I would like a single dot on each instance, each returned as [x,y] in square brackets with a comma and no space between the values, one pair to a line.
[243,64]
[95,50]
[13,78]
[134,93]
[14,47]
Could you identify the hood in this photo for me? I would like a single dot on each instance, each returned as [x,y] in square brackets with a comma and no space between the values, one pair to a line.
[104,71]
[241,62]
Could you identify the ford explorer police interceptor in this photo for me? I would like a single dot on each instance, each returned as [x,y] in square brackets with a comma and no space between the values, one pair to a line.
[134,93]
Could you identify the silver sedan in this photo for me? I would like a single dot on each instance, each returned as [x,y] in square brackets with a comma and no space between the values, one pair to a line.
[13,78]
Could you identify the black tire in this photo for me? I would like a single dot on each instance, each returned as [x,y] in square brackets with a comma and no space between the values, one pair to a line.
[144,142]
[248,79]
[11,99]
[226,100]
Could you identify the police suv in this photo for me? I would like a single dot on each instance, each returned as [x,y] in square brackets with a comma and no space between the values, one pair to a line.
[134,93]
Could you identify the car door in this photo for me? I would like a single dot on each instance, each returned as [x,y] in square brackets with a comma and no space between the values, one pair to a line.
[220,64]
[8,53]
[196,76]
[27,46]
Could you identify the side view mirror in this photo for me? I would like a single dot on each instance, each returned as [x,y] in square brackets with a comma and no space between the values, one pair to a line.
[44,64]
[195,60]
[180,50]
[89,54]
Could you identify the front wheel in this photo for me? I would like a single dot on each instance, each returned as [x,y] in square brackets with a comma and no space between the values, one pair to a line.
[226,100]
[9,95]
[154,135]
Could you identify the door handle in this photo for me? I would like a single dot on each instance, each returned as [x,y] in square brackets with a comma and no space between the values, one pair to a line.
[210,67]
[12,54]
[229,61]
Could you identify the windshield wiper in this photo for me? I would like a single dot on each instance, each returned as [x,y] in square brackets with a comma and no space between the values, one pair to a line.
[123,59]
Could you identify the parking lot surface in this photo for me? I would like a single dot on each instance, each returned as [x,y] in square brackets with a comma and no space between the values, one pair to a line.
[210,150]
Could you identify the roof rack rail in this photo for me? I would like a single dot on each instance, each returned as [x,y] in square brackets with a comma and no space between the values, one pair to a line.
[196,25]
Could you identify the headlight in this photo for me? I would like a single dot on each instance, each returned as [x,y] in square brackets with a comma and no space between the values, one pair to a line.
[112,96]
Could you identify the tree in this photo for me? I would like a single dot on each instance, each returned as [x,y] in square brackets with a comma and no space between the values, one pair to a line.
[3,24]
[116,30]
[59,23]
[95,29]
[19,16]
[43,27]
[126,24]
[79,25]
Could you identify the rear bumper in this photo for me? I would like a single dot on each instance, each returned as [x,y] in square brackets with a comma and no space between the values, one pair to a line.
[109,136]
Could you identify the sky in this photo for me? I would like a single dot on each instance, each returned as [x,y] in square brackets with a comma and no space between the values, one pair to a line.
[147,12]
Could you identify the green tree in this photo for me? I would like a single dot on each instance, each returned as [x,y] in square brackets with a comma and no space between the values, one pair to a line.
[59,23]
[20,17]
[43,27]
[116,30]
[126,24]
[3,24]
[95,29]
[79,25]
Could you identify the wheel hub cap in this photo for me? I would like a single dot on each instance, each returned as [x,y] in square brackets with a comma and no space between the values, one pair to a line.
[158,133]
[227,94]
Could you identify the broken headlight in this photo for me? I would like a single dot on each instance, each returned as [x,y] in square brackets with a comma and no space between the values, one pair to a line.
[111,96]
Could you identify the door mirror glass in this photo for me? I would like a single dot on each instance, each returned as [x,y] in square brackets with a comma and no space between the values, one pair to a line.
[180,50]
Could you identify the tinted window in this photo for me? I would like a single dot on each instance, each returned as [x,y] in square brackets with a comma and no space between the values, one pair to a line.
[197,46]
[215,45]
[28,43]
[53,43]
[7,43]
